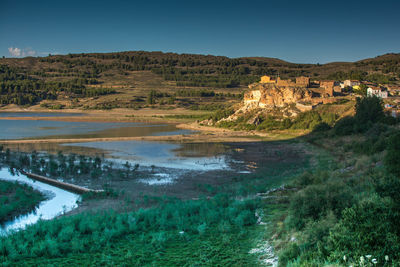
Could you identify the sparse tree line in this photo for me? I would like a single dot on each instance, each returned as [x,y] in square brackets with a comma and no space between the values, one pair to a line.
[154,96]
[66,166]
[363,76]
[16,88]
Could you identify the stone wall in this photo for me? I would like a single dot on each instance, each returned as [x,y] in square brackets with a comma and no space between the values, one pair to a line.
[303,81]
[284,83]
[328,86]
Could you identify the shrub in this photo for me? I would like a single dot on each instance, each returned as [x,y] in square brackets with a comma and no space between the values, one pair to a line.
[322,127]
[369,109]
[387,185]
[307,120]
[316,233]
[344,126]
[392,158]
[366,228]
[329,118]
[220,114]
[316,201]
[291,252]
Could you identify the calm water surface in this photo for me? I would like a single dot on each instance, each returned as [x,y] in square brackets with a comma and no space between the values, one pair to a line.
[20,129]
[58,202]
[165,155]
[169,160]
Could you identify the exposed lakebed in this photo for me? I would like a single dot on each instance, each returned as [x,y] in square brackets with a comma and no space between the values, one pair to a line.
[180,170]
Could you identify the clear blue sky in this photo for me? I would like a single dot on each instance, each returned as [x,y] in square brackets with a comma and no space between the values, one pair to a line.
[298,31]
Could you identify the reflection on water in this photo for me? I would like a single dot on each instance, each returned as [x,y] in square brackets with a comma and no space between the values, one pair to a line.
[160,179]
[157,154]
[59,201]
[17,129]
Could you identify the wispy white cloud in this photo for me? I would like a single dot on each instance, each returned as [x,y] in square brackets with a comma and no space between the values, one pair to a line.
[18,52]
[14,51]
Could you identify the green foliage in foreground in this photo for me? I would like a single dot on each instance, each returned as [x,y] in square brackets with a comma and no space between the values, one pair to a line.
[309,120]
[17,199]
[205,232]
[369,110]
[171,221]
[332,219]
[340,215]
[210,249]
[392,159]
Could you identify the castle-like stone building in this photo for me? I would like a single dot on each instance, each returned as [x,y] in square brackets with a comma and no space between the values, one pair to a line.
[301,81]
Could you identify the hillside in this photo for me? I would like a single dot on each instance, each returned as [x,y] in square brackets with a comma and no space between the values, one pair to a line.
[138,79]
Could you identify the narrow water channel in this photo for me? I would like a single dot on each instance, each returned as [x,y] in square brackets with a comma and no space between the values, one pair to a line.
[59,201]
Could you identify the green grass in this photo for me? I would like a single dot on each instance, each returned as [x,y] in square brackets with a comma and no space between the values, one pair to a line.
[159,229]
[17,199]
[216,232]
[211,249]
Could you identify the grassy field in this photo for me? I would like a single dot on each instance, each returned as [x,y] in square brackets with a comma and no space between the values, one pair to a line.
[220,230]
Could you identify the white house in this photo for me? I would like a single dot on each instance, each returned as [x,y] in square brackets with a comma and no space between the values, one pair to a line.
[350,83]
[377,91]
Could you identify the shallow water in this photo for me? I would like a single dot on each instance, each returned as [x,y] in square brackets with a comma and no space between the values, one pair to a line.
[18,129]
[164,155]
[59,201]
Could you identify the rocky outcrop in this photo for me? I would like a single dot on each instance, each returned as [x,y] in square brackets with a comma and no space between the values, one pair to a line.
[264,97]
[272,96]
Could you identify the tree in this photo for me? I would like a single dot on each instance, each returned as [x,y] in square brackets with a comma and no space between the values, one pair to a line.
[392,158]
[362,90]
[369,109]
[151,98]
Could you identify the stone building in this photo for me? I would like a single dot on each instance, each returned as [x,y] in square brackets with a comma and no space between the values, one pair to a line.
[351,83]
[303,81]
[284,83]
[267,79]
[328,85]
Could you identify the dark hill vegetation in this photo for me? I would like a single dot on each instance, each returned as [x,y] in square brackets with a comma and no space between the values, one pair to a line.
[131,75]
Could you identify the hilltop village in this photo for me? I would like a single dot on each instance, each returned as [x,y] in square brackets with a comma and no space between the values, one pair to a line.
[306,94]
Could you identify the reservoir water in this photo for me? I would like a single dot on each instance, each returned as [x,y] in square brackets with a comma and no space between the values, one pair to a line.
[59,201]
[165,167]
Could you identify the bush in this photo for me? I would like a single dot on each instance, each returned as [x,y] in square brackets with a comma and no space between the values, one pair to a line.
[387,185]
[307,120]
[316,201]
[329,118]
[369,109]
[291,252]
[322,127]
[392,158]
[344,126]
[366,228]
[316,233]
[220,114]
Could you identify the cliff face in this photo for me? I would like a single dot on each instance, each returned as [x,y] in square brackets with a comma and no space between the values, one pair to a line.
[263,98]
[268,96]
